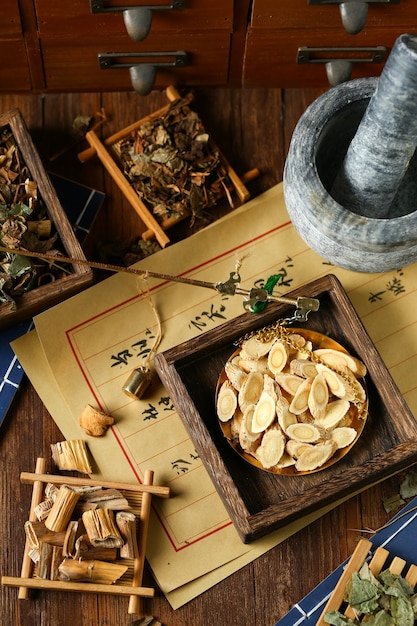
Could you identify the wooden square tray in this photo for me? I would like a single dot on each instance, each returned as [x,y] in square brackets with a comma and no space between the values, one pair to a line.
[257,501]
[36,300]
[139,497]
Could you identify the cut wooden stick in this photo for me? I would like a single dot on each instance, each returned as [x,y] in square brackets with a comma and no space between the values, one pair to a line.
[135,604]
[37,495]
[39,583]
[359,555]
[127,190]
[30,477]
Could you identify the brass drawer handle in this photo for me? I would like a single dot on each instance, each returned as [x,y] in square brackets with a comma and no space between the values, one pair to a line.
[339,61]
[142,75]
[138,20]
[353,12]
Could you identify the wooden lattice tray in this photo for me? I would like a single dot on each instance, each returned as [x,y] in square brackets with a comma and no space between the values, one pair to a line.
[108,152]
[380,559]
[130,584]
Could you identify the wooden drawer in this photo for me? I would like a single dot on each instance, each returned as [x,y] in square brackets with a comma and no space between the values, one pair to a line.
[76,68]
[10,26]
[57,17]
[270,56]
[14,70]
[270,14]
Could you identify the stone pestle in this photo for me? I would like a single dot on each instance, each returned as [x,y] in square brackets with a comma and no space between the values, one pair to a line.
[350,176]
[380,152]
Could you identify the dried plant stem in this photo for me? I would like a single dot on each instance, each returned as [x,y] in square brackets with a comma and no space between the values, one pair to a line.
[60,514]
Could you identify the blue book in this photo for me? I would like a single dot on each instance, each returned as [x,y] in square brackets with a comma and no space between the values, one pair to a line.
[398,537]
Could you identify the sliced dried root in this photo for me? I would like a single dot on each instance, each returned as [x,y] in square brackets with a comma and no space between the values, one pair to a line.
[278,356]
[289,382]
[226,401]
[343,436]
[272,448]
[303,433]
[316,456]
[264,413]
[235,374]
[251,390]
[318,397]
[334,414]
[253,348]
[290,404]
[303,367]
[340,360]
[299,403]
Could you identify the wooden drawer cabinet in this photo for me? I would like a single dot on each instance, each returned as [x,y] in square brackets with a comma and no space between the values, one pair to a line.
[14,67]
[71,38]
[277,31]
[55,45]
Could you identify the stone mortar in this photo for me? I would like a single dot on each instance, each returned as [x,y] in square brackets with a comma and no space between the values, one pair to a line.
[342,232]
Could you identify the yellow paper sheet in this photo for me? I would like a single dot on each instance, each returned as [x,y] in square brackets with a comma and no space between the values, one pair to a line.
[91,342]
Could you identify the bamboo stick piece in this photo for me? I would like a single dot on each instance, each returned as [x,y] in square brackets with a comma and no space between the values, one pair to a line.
[156,490]
[127,190]
[39,583]
[135,605]
[355,562]
[62,509]
[37,495]
[100,526]
[126,523]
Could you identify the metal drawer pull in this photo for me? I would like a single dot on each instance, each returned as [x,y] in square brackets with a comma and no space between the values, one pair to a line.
[138,20]
[353,12]
[339,69]
[142,75]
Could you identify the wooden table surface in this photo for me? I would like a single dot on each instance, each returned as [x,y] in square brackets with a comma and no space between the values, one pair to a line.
[253,128]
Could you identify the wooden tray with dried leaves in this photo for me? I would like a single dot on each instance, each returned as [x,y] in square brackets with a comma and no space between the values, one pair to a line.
[168,167]
[32,217]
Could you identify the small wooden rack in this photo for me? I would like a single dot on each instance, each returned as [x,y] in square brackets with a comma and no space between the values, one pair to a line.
[131,583]
[102,150]
[379,558]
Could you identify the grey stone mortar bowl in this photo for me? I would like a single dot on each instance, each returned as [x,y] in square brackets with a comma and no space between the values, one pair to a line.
[317,150]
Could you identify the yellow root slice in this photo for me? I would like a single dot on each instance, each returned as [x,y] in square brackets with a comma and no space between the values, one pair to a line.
[343,436]
[226,402]
[272,448]
[303,367]
[248,440]
[337,385]
[284,415]
[251,390]
[318,397]
[304,433]
[296,448]
[278,357]
[257,365]
[264,413]
[253,348]
[299,403]
[235,423]
[235,374]
[339,360]
[289,382]
[315,457]
[334,414]
[285,461]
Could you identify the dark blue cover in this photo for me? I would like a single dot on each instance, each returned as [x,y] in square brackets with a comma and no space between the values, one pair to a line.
[399,537]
